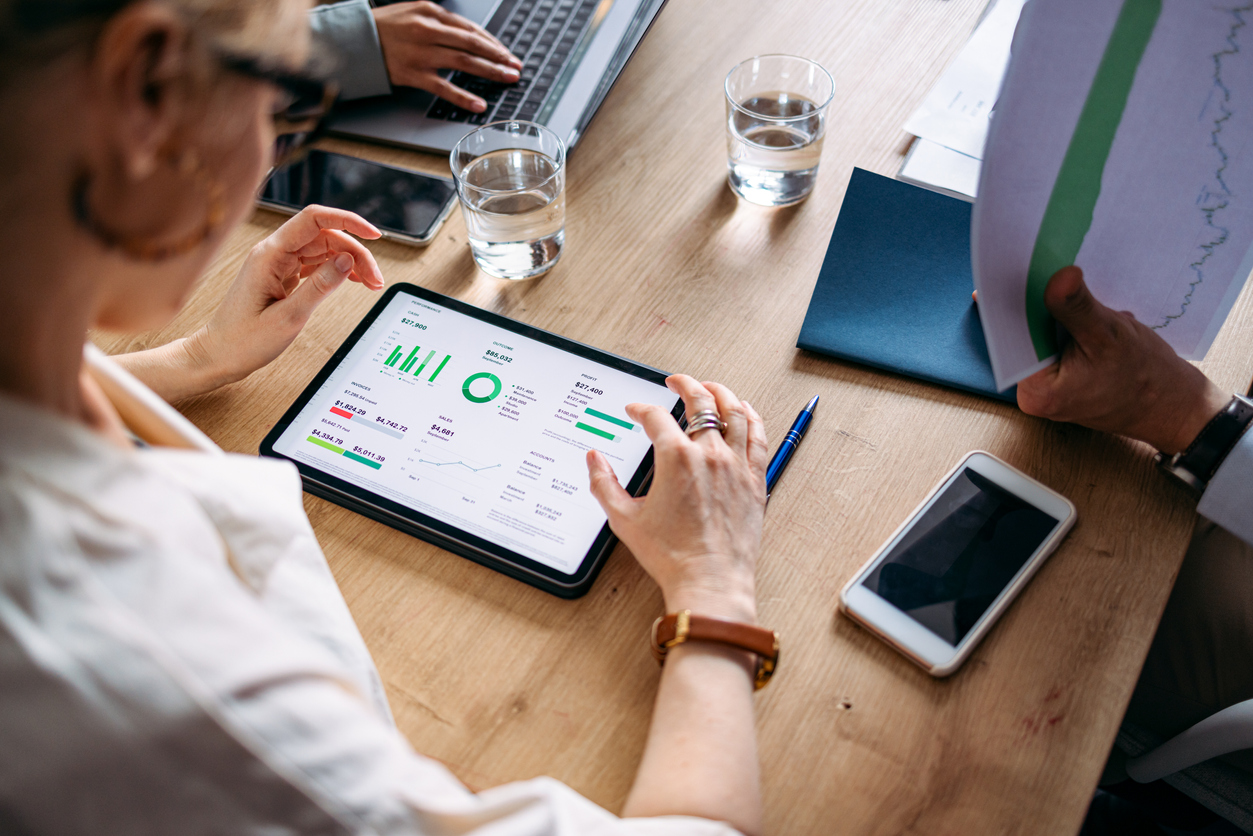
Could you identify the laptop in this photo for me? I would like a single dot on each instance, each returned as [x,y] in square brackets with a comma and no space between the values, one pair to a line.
[572,52]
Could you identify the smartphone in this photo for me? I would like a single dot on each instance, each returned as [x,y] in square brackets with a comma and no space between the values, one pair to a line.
[406,206]
[943,578]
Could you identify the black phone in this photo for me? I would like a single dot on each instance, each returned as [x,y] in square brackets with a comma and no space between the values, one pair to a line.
[406,206]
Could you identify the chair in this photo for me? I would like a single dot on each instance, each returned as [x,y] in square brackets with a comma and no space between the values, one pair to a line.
[1188,761]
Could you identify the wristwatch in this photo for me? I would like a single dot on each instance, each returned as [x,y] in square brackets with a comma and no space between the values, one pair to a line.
[679,627]
[1198,464]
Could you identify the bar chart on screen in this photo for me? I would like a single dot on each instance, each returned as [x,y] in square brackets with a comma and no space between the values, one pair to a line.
[483,429]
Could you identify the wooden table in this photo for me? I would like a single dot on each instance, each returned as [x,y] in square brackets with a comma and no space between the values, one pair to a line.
[503,682]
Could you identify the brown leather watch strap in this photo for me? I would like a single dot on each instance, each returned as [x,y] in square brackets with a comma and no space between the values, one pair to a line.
[679,627]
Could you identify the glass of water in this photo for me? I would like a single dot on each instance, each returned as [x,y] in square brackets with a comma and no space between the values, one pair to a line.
[776,119]
[511,178]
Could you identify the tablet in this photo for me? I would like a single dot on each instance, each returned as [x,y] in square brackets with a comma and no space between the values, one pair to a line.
[470,431]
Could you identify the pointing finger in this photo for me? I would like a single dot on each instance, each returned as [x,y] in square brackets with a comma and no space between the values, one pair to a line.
[659,425]
[617,504]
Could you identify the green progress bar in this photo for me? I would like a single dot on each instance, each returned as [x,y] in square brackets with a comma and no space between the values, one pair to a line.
[595,431]
[602,416]
[328,445]
[440,368]
[348,454]
[418,373]
[410,360]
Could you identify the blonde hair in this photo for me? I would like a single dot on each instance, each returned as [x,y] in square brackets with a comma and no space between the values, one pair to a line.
[35,31]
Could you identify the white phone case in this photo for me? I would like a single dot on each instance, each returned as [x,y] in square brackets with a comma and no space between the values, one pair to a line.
[916,642]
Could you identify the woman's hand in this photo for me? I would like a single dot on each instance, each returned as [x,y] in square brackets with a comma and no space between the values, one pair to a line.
[1118,375]
[281,283]
[420,39]
[698,531]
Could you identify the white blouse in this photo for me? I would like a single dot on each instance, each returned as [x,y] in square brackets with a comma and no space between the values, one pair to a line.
[175,657]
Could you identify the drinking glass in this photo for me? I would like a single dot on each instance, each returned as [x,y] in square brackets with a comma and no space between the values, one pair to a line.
[776,119]
[511,178]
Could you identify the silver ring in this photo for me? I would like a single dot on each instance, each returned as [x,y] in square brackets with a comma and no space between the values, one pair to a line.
[706,419]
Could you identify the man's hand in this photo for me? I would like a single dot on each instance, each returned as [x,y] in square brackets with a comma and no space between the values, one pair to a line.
[1118,375]
[419,39]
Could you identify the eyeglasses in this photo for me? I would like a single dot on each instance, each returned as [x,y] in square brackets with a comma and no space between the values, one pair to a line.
[301,109]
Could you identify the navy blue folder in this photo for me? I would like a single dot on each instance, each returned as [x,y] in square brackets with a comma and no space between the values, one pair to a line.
[894,289]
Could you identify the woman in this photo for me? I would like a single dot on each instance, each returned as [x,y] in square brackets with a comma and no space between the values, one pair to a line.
[174,655]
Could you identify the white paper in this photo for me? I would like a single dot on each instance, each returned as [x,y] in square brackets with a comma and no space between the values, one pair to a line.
[955,112]
[941,169]
[1173,223]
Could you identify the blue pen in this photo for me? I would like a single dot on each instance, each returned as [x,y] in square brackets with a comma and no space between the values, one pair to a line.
[793,440]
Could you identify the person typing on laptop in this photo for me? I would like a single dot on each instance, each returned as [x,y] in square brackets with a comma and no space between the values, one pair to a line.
[406,45]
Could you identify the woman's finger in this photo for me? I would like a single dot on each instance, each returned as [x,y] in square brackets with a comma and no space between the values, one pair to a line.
[696,398]
[659,425]
[320,284]
[618,505]
[309,223]
[330,242]
[365,269]
[731,409]
[758,451]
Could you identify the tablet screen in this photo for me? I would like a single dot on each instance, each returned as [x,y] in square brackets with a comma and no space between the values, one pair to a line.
[476,426]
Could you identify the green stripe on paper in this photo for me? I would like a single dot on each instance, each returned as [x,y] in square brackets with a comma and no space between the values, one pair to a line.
[602,416]
[1068,215]
[348,454]
[328,445]
[594,431]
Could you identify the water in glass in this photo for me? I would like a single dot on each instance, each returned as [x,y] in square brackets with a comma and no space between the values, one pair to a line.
[774,163]
[515,212]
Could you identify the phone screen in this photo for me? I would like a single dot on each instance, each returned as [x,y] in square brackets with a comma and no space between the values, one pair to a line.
[960,554]
[392,199]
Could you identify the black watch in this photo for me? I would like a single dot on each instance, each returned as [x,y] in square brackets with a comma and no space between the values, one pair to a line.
[1198,464]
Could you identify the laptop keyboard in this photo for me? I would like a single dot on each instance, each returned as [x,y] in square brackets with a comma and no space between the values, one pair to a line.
[543,34]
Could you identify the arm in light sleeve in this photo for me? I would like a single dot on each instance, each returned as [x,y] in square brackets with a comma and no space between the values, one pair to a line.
[352,764]
[1228,501]
[345,35]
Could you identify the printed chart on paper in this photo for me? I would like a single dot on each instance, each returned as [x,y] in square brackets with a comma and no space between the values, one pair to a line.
[1123,143]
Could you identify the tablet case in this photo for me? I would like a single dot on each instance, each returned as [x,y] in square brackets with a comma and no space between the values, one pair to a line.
[894,288]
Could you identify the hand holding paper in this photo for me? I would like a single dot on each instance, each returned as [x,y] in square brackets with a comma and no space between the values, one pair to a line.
[1117,375]
[1122,143]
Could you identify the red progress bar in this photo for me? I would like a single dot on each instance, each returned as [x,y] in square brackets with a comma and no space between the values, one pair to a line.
[341,413]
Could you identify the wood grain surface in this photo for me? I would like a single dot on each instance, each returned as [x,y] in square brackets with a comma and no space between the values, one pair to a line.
[663,265]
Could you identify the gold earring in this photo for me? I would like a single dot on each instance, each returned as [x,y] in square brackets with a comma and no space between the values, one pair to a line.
[147,249]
